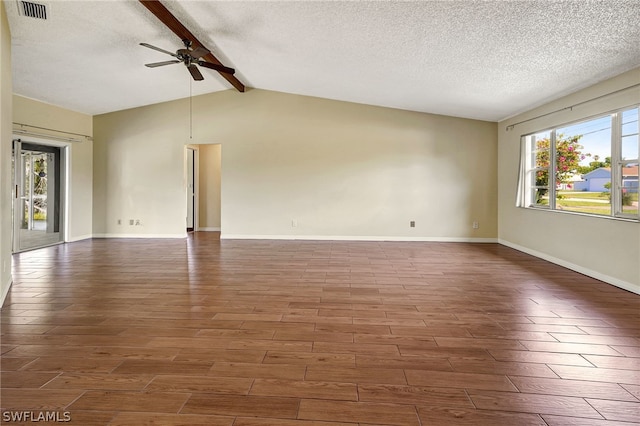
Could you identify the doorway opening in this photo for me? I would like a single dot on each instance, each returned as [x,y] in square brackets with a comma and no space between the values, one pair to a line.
[38,201]
[203,177]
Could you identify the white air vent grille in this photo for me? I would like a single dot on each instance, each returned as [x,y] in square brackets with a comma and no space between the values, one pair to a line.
[33,10]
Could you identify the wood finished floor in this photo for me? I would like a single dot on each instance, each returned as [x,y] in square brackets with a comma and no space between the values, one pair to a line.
[247,333]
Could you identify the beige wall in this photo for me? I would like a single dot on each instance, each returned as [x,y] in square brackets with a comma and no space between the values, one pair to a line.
[340,170]
[80,197]
[6,90]
[604,248]
[209,187]
[139,171]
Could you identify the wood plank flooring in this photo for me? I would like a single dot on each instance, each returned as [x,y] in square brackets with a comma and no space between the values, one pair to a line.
[286,333]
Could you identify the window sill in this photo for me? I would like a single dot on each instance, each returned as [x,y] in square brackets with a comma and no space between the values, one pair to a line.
[596,216]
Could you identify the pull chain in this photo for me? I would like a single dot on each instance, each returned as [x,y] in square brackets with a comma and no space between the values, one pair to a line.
[190,109]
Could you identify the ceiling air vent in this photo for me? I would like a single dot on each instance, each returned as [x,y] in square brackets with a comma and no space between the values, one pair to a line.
[33,10]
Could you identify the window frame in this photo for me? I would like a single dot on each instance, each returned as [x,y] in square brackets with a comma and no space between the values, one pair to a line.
[526,178]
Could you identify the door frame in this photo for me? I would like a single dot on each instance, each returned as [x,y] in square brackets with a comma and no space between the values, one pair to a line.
[194,181]
[64,186]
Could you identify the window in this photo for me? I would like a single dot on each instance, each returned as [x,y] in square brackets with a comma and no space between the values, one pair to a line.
[588,167]
[629,149]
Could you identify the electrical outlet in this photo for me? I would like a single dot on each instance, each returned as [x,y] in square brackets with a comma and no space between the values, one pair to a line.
[476,225]
[119,221]
[294,223]
[131,222]
[412,224]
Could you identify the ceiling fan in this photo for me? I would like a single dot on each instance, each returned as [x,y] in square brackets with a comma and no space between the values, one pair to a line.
[194,52]
[189,57]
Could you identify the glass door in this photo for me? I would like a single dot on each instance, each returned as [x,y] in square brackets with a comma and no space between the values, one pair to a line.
[37,207]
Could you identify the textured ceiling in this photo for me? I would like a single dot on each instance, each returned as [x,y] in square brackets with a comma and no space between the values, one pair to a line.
[478,59]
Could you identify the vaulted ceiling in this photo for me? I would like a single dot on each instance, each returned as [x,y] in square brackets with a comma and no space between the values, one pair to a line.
[486,60]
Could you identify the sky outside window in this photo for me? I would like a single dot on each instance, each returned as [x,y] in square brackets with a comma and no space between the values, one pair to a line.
[596,138]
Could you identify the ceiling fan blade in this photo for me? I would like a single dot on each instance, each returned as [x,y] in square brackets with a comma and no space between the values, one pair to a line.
[198,52]
[219,68]
[159,64]
[195,72]
[158,49]
[163,14]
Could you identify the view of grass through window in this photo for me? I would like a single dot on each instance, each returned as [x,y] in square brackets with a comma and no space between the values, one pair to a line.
[583,160]
[579,158]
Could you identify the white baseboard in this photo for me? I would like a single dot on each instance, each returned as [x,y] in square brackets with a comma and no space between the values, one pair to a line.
[581,269]
[357,238]
[80,238]
[160,236]
[209,229]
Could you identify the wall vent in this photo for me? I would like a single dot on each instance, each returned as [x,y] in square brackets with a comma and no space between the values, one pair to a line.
[33,10]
